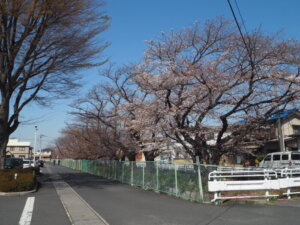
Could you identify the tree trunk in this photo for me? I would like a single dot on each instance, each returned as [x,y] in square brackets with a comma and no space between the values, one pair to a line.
[151,155]
[130,156]
[200,152]
[215,157]
[3,143]
[4,132]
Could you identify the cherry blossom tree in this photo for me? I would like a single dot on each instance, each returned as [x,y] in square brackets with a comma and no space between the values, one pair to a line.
[204,80]
[203,87]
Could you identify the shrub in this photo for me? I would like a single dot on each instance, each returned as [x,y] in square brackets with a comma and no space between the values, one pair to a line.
[25,181]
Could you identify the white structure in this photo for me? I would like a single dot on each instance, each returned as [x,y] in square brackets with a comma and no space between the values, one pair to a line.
[43,155]
[247,179]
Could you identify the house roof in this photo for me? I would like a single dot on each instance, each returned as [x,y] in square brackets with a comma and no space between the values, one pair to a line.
[16,142]
[283,114]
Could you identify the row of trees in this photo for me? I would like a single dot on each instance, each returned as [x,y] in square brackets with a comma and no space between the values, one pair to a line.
[201,80]
[43,44]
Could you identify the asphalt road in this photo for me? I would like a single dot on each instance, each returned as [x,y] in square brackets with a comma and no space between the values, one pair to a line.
[47,210]
[121,204]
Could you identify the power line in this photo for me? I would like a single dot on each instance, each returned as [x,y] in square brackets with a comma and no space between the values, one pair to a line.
[241,17]
[241,33]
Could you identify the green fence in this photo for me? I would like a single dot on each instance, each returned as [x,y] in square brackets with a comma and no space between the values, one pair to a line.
[186,181]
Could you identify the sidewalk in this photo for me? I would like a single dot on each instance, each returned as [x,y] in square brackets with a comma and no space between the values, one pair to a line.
[77,209]
[121,204]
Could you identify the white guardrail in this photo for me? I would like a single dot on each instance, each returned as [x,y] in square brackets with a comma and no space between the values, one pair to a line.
[226,179]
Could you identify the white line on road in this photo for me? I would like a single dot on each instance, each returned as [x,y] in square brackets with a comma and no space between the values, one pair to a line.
[27,212]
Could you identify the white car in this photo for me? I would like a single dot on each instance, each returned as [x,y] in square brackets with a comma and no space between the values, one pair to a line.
[28,163]
[281,160]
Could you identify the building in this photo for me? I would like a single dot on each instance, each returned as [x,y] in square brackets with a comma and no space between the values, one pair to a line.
[290,127]
[254,146]
[268,141]
[162,150]
[45,155]
[18,149]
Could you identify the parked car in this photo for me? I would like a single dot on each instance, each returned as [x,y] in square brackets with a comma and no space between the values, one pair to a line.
[40,163]
[28,163]
[13,163]
[281,160]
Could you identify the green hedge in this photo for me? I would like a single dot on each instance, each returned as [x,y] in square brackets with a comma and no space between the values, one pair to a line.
[25,180]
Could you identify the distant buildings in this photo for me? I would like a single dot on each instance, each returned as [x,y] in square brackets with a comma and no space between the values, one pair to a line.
[23,149]
[18,149]
[267,141]
[262,141]
[44,155]
[290,126]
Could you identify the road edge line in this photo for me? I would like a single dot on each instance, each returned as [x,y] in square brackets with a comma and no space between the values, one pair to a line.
[90,207]
[27,212]
[85,202]
[65,208]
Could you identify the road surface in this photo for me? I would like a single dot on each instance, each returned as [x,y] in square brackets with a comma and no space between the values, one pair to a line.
[67,195]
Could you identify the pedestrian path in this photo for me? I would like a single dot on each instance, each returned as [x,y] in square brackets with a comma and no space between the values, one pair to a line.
[78,210]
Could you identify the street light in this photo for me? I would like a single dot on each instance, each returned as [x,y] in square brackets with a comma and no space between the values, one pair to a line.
[34,146]
[40,157]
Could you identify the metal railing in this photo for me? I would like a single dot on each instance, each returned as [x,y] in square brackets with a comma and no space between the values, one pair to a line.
[253,179]
[290,178]
[195,182]
[186,181]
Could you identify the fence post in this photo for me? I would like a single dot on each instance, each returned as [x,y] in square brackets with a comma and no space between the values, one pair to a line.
[288,193]
[157,184]
[143,175]
[107,169]
[123,171]
[110,170]
[266,174]
[116,169]
[131,175]
[176,180]
[199,179]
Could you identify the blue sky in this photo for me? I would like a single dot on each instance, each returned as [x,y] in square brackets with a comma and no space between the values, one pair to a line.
[135,21]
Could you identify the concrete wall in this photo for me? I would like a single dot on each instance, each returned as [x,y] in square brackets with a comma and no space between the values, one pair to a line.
[287,126]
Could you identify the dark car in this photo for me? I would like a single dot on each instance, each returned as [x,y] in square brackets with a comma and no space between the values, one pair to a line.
[13,163]
[40,163]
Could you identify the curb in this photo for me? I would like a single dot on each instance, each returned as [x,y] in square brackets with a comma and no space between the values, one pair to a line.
[21,192]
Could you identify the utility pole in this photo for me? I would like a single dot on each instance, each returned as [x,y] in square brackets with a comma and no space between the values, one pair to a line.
[280,134]
[34,146]
[279,127]
[40,157]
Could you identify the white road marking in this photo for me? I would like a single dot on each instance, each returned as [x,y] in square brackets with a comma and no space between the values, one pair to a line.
[27,212]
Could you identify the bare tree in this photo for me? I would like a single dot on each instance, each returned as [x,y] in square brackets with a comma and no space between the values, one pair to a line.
[105,110]
[43,44]
[202,81]
[82,143]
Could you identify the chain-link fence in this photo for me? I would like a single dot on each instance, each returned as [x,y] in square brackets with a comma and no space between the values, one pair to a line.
[186,181]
